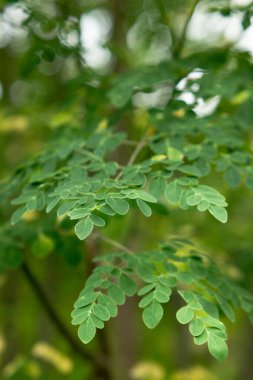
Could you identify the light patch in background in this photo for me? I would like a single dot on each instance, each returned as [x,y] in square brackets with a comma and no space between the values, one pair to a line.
[158,98]
[188,96]
[241,2]
[96,27]
[206,107]
[15,14]
[20,92]
[70,38]
[211,27]
[246,41]
[11,29]
[50,354]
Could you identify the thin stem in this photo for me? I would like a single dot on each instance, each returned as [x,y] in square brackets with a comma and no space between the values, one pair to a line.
[134,155]
[180,45]
[137,150]
[98,364]
[115,244]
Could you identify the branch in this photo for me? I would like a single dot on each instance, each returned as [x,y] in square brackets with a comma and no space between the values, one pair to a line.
[134,155]
[179,47]
[42,297]
[115,244]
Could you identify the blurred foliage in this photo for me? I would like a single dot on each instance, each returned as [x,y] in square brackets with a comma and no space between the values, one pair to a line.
[86,86]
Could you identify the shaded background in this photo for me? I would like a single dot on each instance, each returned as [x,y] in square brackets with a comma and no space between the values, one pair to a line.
[49,52]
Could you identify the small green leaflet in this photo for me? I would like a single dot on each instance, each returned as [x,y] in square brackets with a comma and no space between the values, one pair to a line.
[217,347]
[84,228]
[144,207]
[52,204]
[97,220]
[17,215]
[201,339]
[173,192]
[87,331]
[194,200]
[31,204]
[120,206]
[81,317]
[190,170]
[196,327]
[219,213]
[184,315]
[116,295]
[157,186]
[65,207]
[144,195]
[152,314]
[101,312]
[233,176]
[127,285]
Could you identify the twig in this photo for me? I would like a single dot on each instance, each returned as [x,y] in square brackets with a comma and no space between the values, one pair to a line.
[115,244]
[42,297]
[179,47]
[137,150]
[134,155]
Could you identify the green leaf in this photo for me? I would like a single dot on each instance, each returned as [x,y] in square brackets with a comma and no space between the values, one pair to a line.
[116,295]
[101,312]
[185,277]
[84,228]
[146,289]
[196,327]
[194,200]
[211,195]
[87,331]
[162,294]
[144,195]
[187,295]
[144,207]
[152,314]
[209,307]
[97,220]
[226,308]
[203,206]
[105,209]
[65,207]
[184,315]
[81,317]
[190,170]
[17,215]
[219,213]
[173,192]
[52,204]
[84,300]
[31,204]
[233,176]
[127,285]
[109,304]
[157,187]
[99,324]
[217,347]
[201,339]
[120,206]
[146,300]
[79,213]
